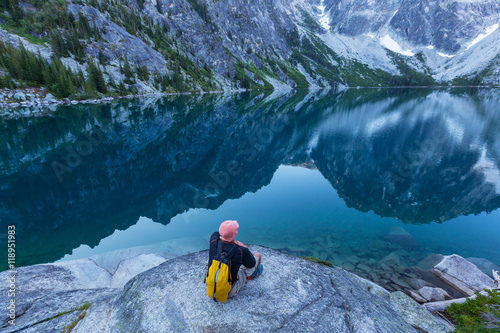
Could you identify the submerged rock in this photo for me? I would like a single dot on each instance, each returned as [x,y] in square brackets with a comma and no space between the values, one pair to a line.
[378,244]
[400,236]
[418,283]
[430,261]
[353,259]
[393,259]
[484,265]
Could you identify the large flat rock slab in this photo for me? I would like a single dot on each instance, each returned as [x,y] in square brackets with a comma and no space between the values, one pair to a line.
[292,295]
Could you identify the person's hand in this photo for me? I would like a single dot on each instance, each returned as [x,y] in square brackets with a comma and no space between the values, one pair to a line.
[239,243]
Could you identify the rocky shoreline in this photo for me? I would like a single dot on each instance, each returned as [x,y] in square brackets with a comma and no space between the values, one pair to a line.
[161,295]
[36,102]
[167,292]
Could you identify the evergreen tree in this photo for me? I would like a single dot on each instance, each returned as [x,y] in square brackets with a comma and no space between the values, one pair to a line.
[89,88]
[61,87]
[83,26]
[127,71]
[80,75]
[122,88]
[5,4]
[142,73]
[145,73]
[75,47]
[34,70]
[95,32]
[15,11]
[58,44]
[101,57]
[111,81]
[47,75]
[138,72]
[71,20]
[6,82]
[96,78]
[158,6]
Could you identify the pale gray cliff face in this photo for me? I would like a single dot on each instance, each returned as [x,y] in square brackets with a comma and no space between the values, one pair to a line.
[354,18]
[235,25]
[124,44]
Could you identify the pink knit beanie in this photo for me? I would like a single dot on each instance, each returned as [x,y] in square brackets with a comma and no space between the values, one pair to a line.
[228,230]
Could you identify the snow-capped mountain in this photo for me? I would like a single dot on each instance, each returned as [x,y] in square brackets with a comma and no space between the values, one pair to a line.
[264,44]
[449,26]
[455,37]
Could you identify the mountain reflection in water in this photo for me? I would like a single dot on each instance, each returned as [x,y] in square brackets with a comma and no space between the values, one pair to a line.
[74,178]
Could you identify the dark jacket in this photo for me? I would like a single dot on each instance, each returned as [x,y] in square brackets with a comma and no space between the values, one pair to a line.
[242,256]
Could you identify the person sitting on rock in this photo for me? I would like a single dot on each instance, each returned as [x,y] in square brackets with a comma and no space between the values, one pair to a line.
[244,265]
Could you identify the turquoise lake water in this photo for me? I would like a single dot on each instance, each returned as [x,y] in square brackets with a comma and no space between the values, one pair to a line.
[328,174]
[300,209]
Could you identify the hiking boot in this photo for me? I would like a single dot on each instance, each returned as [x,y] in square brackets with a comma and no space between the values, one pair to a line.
[257,272]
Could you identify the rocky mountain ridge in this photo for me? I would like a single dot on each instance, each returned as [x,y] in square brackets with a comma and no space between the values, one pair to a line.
[448,26]
[195,45]
[444,33]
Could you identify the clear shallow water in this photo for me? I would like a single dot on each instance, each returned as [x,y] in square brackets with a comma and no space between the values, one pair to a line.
[299,212]
[320,174]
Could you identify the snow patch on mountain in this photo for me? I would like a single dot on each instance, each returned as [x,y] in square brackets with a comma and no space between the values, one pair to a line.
[365,49]
[449,37]
[392,45]
[324,19]
[389,43]
[445,55]
[479,38]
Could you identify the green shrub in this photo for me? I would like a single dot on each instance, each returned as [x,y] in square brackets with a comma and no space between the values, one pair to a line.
[475,315]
